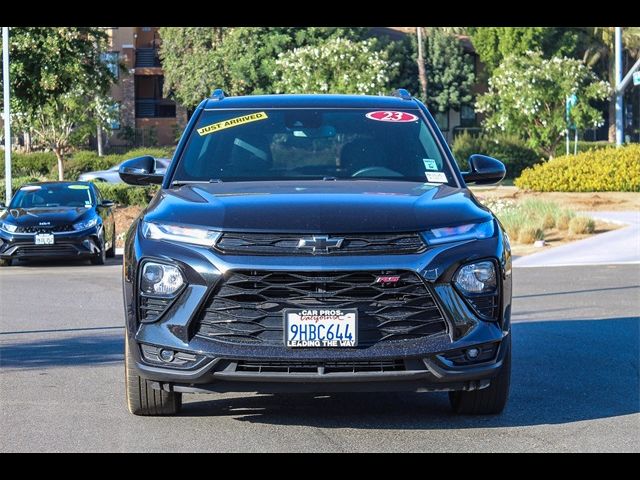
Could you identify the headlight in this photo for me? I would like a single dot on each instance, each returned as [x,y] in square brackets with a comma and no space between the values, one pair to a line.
[8,227]
[477,278]
[176,233]
[85,225]
[160,279]
[470,231]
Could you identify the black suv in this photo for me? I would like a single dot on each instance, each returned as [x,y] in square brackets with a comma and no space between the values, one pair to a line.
[316,243]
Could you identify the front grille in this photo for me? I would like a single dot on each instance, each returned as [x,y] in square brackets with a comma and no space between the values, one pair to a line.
[258,366]
[39,250]
[247,306]
[287,244]
[41,229]
[150,308]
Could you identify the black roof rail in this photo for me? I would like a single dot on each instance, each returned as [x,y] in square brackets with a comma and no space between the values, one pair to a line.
[218,94]
[402,93]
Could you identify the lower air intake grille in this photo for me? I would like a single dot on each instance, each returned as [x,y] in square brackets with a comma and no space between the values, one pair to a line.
[247,306]
[258,366]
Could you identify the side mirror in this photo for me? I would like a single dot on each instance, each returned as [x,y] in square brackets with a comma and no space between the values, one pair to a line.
[140,171]
[107,203]
[484,170]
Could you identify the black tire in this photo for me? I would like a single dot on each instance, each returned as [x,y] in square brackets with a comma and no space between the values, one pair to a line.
[5,262]
[100,258]
[490,400]
[144,400]
[112,251]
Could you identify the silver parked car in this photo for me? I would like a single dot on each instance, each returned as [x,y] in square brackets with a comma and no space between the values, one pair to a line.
[111,175]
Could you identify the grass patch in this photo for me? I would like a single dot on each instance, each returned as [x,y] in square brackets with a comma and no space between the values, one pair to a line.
[530,220]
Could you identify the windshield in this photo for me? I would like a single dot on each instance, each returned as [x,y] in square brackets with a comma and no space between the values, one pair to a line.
[288,144]
[53,195]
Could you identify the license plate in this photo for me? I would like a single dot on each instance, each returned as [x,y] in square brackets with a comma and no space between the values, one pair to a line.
[320,327]
[44,239]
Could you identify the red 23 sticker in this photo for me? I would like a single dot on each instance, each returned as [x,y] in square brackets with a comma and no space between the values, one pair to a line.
[391,116]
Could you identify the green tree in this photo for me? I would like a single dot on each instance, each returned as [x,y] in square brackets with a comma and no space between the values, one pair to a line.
[241,59]
[493,44]
[58,78]
[337,66]
[598,52]
[527,96]
[450,72]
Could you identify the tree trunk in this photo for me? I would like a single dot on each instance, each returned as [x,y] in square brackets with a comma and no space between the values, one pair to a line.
[60,164]
[27,141]
[422,72]
[99,139]
[612,120]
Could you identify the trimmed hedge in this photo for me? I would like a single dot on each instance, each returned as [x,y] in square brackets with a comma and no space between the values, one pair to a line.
[45,164]
[602,170]
[120,193]
[126,195]
[583,146]
[510,150]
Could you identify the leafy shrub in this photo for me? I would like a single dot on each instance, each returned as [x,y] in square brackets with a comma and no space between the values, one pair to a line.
[26,164]
[583,146]
[126,195]
[44,164]
[603,170]
[581,225]
[530,234]
[510,150]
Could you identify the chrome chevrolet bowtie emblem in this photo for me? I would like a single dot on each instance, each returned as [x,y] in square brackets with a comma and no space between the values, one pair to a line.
[320,244]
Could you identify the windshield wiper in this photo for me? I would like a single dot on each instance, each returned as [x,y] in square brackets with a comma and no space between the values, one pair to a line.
[177,183]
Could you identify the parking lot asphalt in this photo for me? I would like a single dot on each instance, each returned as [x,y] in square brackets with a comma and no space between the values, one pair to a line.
[575,383]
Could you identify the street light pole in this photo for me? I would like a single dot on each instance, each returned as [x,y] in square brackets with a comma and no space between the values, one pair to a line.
[619,92]
[7,114]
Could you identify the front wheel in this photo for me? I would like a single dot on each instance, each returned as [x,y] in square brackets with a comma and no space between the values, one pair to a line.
[101,257]
[112,250]
[141,398]
[490,400]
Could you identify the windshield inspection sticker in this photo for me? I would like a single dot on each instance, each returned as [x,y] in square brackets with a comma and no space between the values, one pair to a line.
[437,177]
[392,116]
[430,164]
[232,122]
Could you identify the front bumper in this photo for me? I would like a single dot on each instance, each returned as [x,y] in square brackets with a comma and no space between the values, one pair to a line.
[76,244]
[420,364]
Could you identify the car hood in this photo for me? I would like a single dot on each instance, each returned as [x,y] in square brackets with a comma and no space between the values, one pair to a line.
[317,206]
[30,217]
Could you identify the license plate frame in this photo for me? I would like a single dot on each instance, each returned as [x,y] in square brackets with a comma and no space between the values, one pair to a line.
[324,327]
[44,239]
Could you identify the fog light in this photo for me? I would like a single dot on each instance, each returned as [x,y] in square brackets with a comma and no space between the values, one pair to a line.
[472,353]
[166,355]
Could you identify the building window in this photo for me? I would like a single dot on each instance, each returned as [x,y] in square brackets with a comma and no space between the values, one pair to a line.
[467,116]
[146,29]
[112,60]
[114,114]
[149,100]
[442,120]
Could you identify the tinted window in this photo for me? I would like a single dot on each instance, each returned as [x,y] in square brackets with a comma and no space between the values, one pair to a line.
[54,195]
[312,143]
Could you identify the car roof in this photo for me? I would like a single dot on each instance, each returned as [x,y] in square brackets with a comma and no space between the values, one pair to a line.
[311,101]
[57,182]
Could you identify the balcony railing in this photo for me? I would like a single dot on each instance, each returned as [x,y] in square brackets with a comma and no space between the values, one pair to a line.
[147,57]
[155,108]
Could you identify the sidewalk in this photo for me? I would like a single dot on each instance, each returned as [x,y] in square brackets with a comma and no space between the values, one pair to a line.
[618,246]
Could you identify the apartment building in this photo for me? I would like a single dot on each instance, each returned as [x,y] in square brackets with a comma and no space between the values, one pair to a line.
[144,116]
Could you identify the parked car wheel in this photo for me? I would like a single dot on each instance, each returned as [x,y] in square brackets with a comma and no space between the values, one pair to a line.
[490,400]
[144,400]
